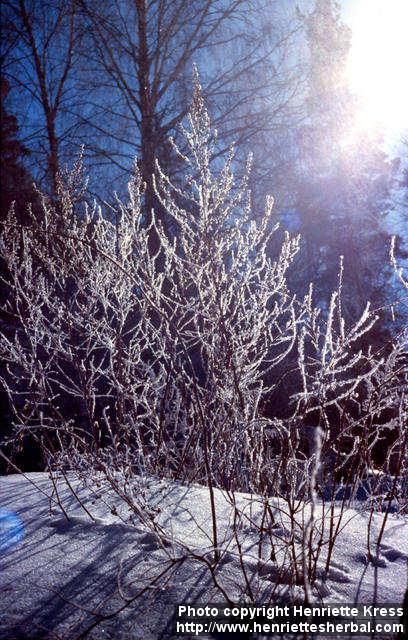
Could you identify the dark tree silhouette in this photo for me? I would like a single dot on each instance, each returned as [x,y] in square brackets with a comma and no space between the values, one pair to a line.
[16,189]
[16,184]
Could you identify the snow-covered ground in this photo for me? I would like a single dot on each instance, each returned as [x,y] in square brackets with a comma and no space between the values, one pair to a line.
[56,575]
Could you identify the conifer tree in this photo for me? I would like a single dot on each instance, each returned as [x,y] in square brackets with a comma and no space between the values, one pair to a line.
[342,179]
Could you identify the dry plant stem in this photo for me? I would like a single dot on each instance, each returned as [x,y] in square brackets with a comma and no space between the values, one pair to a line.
[35,485]
[76,496]
[241,558]
[392,493]
[56,493]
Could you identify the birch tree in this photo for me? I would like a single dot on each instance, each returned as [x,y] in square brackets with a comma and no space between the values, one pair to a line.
[41,43]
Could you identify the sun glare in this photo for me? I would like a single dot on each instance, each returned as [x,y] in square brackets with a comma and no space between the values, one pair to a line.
[378,62]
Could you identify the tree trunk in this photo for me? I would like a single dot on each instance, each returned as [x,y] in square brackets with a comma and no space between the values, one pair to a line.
[147,128]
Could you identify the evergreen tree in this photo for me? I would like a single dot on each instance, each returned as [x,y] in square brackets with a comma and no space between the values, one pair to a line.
[15,182]
[342,180]
[16,188]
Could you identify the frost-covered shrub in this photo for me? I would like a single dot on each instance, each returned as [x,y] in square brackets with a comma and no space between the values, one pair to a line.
[124,363]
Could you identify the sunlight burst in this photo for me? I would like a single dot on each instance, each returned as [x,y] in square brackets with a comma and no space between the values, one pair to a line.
[377,63]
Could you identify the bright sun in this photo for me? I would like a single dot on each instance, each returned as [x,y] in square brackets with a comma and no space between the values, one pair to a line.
[378,62]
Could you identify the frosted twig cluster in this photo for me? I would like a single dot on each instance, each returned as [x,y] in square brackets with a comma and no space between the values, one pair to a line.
[124,363]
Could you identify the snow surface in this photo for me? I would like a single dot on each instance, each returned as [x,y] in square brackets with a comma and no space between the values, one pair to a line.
[55,574]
